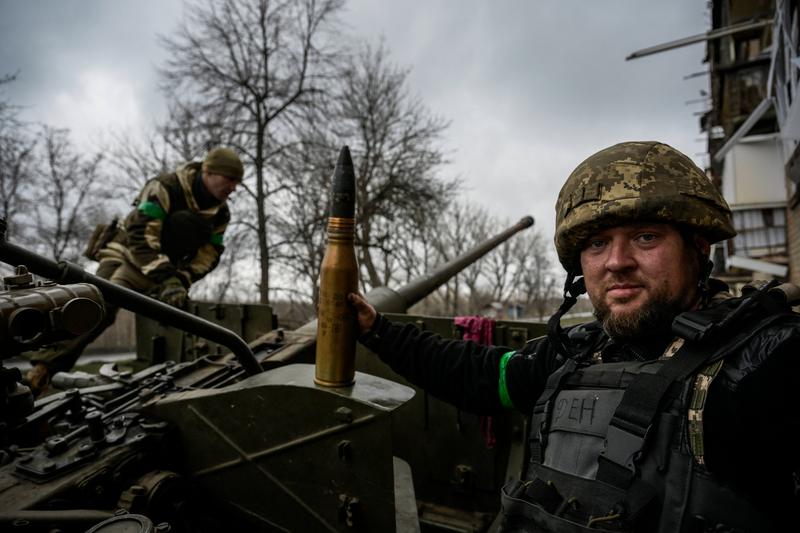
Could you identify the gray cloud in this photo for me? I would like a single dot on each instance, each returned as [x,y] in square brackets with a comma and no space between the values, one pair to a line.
[531,87]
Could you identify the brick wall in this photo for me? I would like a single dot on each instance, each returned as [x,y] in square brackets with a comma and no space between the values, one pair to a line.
[793,237]
[793,214]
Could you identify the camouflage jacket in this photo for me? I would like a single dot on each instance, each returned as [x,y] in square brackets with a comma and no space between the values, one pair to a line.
[140,235]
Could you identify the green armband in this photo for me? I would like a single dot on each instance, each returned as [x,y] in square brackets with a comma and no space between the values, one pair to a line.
[505,399]
[153,210]
[216,239]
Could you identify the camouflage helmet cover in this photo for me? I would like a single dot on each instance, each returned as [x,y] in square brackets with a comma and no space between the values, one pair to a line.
[636,181]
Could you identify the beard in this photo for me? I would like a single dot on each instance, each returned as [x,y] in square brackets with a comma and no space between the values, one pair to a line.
[652,319]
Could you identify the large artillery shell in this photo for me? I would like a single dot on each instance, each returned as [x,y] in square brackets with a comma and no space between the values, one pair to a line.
[336,323]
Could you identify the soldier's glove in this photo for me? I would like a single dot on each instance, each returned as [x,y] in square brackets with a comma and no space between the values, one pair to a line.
[173,292]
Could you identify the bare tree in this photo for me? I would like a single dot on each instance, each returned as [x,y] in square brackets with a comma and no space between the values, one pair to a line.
[518,272]
[481,227]
[394,140]
[415,245]
[190,134]
[462,227]
[8,111]
[16,154]
[244,71]
[133,159]
[499,272]
[302,223]
[535,281]
[65,183]
[139,156]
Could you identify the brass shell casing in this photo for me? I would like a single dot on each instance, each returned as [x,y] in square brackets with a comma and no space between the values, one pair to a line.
[336,323]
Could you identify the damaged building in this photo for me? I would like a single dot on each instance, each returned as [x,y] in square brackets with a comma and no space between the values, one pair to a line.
[752,124]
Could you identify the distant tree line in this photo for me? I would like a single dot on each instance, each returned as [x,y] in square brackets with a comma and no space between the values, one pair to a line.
[277,81]
[46,185]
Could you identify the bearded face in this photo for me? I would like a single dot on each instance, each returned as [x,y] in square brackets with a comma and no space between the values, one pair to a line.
[639,277]
[654,317]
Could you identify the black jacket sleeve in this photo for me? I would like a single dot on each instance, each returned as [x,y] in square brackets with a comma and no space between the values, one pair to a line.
[459,372]
[752,421]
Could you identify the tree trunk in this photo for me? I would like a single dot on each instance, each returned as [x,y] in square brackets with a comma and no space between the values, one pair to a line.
[263,248]
[366,259]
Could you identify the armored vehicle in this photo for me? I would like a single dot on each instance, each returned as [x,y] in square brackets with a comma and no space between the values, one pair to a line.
[241,439]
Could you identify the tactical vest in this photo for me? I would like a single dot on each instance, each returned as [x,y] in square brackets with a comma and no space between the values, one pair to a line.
[184,229]
[610,446]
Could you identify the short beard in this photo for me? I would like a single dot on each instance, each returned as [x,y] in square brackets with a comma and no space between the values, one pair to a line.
[652,320]
[655,317]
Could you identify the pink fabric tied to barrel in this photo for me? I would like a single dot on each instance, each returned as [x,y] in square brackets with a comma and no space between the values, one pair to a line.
[481,330]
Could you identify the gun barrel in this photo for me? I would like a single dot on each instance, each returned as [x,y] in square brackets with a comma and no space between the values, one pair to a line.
[64,272]
[398,301]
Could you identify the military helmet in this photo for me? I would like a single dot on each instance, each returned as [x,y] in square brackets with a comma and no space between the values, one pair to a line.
[225,162]
[636,181]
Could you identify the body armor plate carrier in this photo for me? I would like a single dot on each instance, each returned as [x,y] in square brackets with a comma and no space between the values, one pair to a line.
[609,446]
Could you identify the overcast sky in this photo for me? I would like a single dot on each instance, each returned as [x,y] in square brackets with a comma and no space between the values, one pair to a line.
[531,87]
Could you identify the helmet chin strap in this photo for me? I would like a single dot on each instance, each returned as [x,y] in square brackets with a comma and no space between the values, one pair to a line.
[555,333]
[702,280]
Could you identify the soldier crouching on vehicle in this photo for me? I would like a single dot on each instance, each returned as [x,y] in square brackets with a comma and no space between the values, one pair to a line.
[676,410]
[171,238]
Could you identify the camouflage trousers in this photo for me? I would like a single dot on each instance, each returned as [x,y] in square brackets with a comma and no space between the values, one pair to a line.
[115,267]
